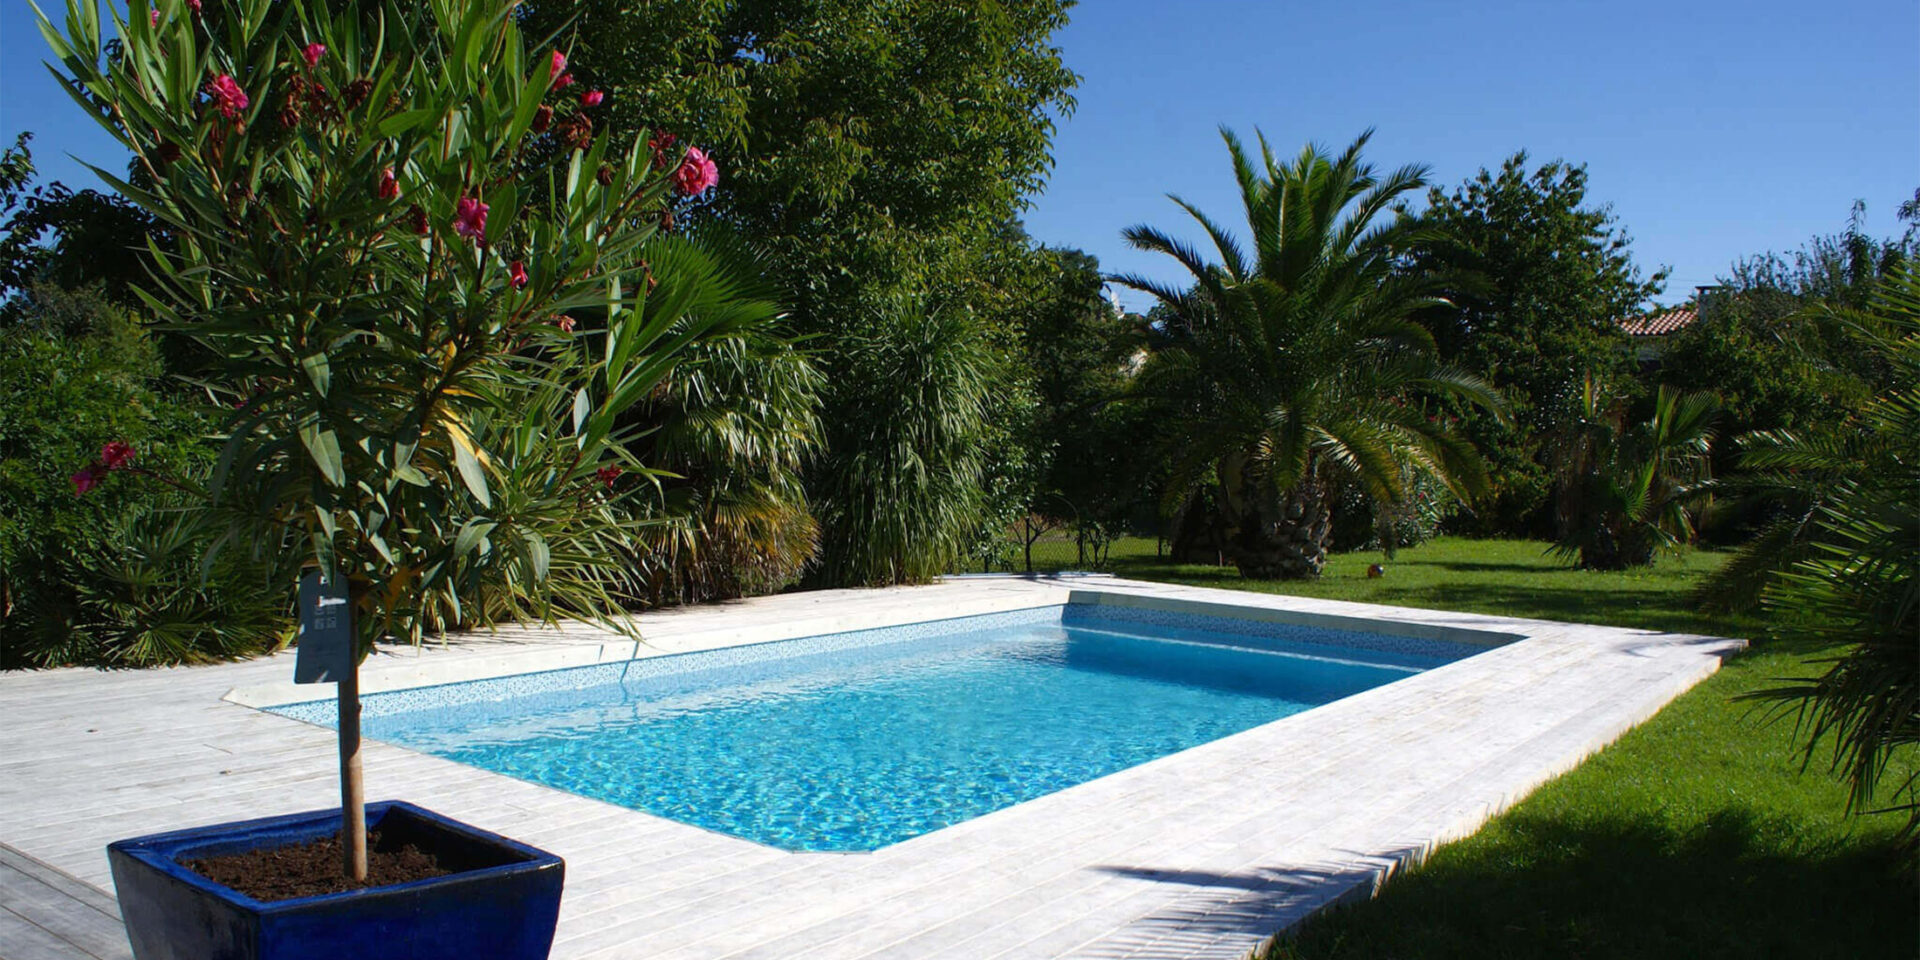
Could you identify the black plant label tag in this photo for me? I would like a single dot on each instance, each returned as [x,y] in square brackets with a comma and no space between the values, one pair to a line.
[325,651]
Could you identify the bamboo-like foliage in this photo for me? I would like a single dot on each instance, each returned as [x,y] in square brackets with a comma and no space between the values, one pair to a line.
[1293,365]
[1627,490]
[900,488]
[1853,572]
[379,245]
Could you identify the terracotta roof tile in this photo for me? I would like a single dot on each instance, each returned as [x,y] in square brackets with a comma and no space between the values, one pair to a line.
[1658,324]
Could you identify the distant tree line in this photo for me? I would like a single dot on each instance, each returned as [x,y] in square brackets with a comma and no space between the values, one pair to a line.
[1384,359]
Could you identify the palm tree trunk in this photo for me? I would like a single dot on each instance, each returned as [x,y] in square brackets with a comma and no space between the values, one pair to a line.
[1287,539]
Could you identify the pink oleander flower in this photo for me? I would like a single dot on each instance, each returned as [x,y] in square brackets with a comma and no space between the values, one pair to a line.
[608,475]
[153,17]
[470,219]
[116,455]
[592,98]
[313,53]
[518,274]
[389,187]
[564,81]
[195,4]
[697,172]
[85,481]
[227,96]
[556,66]
[565,323]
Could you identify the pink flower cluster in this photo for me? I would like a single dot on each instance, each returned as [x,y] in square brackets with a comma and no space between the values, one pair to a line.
[227,96]
[470,218]
[697,172]
[114,456]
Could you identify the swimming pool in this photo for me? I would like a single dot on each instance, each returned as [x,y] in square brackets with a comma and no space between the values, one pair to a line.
[855,741]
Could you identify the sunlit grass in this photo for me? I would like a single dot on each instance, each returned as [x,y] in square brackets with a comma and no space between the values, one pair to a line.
[1695,835]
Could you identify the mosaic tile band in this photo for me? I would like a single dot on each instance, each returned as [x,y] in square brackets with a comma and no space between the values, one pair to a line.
[749,662]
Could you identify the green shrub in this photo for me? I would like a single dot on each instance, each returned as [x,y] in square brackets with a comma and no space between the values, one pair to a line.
[112,578]
[1361,522]
[732,428]
[1627,487]
[900,489]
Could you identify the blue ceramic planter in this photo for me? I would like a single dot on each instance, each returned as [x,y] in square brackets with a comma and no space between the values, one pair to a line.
[501,903]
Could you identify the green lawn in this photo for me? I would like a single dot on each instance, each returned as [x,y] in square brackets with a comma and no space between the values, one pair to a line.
[1696,835]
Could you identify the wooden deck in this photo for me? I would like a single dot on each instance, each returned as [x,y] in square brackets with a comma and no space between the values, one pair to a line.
[1205,853]
[47,915]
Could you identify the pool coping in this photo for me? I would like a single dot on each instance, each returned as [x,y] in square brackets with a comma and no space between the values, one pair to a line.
[380,678]
[1206,853]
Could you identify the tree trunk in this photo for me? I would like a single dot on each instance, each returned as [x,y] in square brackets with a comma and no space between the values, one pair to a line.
[1616,549]
[1284,539]
[353,808]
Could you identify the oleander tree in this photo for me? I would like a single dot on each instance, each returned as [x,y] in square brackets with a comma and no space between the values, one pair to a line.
[383,217]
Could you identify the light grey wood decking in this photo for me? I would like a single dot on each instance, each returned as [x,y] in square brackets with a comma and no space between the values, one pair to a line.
[1205,853]
[46,914]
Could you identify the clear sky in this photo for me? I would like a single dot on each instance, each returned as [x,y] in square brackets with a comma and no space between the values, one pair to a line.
[1715,128]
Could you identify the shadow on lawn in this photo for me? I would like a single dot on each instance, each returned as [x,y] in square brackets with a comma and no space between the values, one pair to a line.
[1732,885]
[1476,566]
[1622,604]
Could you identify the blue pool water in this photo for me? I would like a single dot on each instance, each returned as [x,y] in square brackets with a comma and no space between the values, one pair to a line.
[872,738]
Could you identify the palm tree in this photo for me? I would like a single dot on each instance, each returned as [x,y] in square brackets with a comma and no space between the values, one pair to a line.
[1845,568]
[1298,369]
[1627,490]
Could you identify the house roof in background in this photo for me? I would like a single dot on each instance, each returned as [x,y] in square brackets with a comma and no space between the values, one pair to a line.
[1658,324]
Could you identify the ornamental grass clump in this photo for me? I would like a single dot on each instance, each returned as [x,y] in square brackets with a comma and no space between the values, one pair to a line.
[382,256]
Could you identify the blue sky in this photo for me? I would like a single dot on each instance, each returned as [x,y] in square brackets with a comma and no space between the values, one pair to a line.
[1714,129]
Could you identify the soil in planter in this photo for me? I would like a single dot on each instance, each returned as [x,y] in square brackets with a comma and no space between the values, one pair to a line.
[313,868]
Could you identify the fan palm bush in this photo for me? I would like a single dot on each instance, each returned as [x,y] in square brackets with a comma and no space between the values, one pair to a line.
[137,594]
[381,214]
[1628,489]
[734,426]
[1291,369]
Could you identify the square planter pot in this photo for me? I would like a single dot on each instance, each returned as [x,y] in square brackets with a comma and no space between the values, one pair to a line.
[501,902]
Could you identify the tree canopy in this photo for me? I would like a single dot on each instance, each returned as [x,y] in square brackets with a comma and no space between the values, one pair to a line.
[1535,278]
[879,151]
